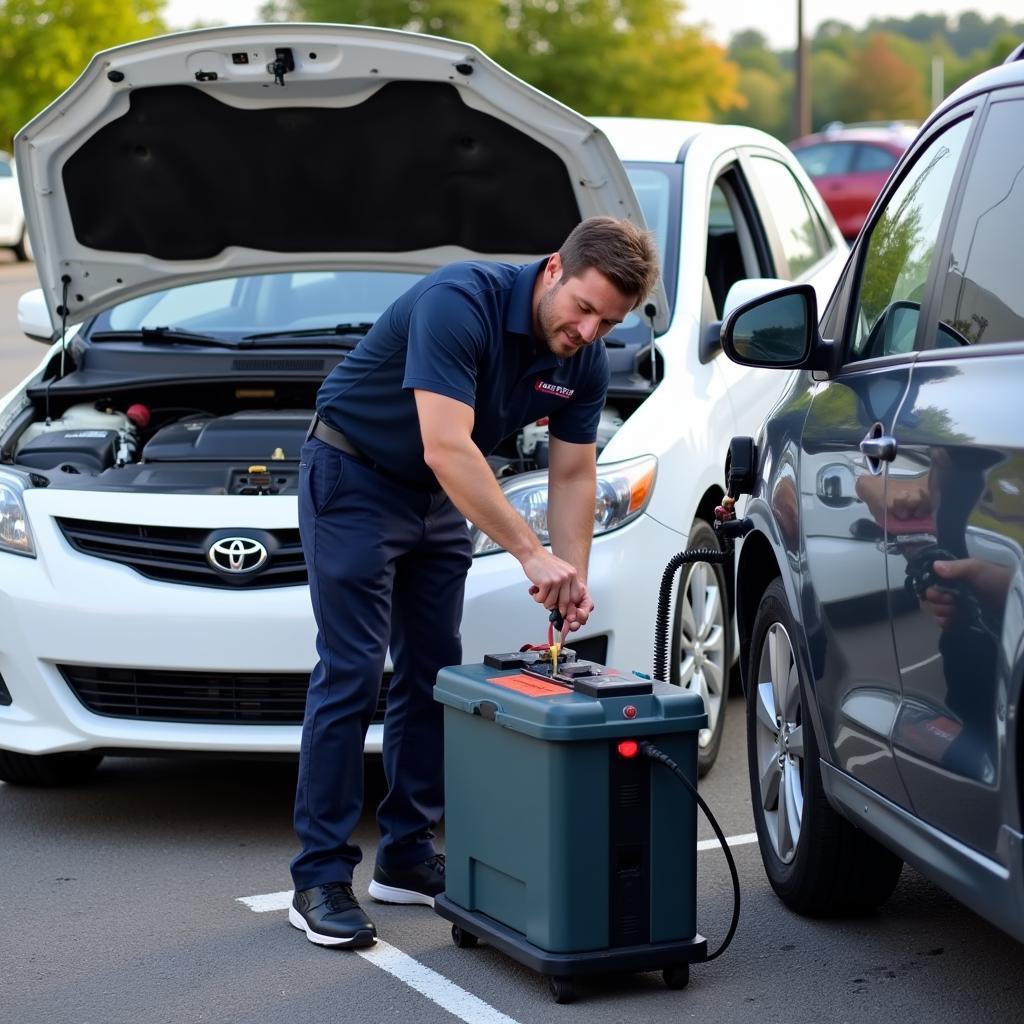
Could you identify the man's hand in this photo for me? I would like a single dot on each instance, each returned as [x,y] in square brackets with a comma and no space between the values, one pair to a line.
[556,584]
[989,582]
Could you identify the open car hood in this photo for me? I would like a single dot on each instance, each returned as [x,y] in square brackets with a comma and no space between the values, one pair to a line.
[182,158]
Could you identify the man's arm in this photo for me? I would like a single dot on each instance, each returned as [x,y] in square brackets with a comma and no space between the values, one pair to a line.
[446,426]
[572,487]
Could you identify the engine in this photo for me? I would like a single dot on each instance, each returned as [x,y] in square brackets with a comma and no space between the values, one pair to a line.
[254,451]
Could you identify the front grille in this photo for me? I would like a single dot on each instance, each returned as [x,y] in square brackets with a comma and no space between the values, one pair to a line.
[243,698]
[178,554]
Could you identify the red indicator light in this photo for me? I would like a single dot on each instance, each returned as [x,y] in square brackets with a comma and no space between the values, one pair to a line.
[629,748]
[629,711]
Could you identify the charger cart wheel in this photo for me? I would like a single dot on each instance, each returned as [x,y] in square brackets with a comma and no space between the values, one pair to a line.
[463,939]
[816,861]
[701,641]
[677,977]
[47,769]
[562,989]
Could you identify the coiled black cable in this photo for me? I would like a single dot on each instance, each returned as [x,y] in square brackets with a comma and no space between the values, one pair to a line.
[661,626]
[654,754]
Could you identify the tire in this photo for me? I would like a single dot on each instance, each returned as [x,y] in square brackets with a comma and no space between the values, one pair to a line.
[818,863]
[22,248]
[47,769]
[702,641]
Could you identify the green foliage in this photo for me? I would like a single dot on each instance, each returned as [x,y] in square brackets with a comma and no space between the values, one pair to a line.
[881,72]
[627,57]
[45,44]
[882,85]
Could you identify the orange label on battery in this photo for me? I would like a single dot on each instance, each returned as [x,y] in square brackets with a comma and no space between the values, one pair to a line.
[529,685]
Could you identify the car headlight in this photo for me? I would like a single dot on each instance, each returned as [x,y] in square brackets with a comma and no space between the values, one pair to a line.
[15,535]
[623,491]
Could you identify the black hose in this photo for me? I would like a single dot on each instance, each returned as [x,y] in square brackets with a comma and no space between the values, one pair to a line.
[661,626]
[654,754]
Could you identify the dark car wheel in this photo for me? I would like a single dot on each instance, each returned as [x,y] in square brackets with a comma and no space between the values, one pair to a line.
[47,769]
[22,248]
[816,861]
[702,641]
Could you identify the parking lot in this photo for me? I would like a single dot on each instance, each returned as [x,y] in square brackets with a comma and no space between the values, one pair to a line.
[157,892]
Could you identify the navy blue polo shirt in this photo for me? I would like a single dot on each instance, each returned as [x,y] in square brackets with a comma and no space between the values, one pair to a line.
[465,331]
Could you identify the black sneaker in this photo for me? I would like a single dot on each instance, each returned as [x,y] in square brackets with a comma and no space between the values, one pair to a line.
[417,884]
[331,916]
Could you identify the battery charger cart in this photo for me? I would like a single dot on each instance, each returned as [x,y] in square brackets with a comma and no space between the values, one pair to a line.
[565,847]
[569,845]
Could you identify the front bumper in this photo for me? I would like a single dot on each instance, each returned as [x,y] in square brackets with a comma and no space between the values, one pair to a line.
[64,609]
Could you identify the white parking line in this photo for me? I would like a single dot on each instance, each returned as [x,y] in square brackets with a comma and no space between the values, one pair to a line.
[434,986]
[713,844]
[268,901]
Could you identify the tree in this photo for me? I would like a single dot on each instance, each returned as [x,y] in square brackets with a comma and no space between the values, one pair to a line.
[828,77]
[626,57]
[882,85]
[46,44]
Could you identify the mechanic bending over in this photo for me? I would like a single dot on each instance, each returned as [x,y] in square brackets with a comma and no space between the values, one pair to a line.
[393,466]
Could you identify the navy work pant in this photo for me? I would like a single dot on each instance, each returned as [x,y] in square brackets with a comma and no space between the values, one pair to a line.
[387,564]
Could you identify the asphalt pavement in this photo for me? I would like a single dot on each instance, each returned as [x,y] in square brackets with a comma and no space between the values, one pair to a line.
[155,893]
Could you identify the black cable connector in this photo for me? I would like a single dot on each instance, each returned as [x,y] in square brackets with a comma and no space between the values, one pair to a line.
[652,753]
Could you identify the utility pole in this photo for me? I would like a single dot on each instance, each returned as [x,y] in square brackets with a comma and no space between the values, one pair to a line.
[802,98]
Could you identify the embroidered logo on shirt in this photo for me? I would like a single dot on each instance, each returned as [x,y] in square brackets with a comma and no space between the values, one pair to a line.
[553,389]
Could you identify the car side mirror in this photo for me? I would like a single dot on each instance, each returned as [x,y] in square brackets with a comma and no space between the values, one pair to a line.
[739,293]
[777,331]
[34,316]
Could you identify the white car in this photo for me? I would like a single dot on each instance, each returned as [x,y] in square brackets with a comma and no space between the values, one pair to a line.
[12,217]
[216,242]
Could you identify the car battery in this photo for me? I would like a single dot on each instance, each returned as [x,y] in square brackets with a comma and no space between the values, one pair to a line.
[564,847]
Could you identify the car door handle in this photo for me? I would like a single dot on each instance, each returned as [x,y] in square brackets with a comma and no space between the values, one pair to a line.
[879,447]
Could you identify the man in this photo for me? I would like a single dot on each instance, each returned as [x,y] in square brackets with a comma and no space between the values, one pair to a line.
[394,465]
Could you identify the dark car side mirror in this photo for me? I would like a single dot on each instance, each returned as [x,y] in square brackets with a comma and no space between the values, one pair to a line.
[777,331]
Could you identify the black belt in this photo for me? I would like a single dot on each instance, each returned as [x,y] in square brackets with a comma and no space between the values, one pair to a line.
[336,439]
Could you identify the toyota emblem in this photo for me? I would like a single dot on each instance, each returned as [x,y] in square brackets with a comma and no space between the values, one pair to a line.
[237,554]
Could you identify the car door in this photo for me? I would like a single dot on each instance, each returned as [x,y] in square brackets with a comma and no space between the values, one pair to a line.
[736,249]
[958,640]
[849,511]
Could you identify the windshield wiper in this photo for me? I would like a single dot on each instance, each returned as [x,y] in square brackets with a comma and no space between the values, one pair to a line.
[163,334]
[314,332]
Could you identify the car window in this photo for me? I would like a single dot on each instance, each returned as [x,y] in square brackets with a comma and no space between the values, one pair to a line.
[731,254]
[874,158]
[826,158]
[982,298]
[5,169]
[794,217]
[900,248]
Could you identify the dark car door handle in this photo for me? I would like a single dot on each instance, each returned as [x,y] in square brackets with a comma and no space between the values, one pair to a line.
[880,449]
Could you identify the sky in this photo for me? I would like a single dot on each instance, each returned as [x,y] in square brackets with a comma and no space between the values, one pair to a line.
[776,19]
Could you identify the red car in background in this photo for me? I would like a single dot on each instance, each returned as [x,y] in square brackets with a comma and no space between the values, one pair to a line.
[849,163]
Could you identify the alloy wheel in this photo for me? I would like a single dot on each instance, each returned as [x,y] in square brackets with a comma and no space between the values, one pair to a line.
[780,742]
[702,666]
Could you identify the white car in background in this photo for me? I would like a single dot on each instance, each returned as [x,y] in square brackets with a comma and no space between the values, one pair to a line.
[216,243]
[12,217]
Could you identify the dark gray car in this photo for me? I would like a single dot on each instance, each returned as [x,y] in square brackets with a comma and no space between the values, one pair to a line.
[881,592]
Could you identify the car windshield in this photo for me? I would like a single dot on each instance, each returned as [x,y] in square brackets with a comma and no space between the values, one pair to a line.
[301,303]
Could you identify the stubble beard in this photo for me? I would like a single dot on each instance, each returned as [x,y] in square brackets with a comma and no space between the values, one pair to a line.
[552,333]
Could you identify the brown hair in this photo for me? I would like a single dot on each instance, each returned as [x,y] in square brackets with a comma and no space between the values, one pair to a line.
[623,252]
